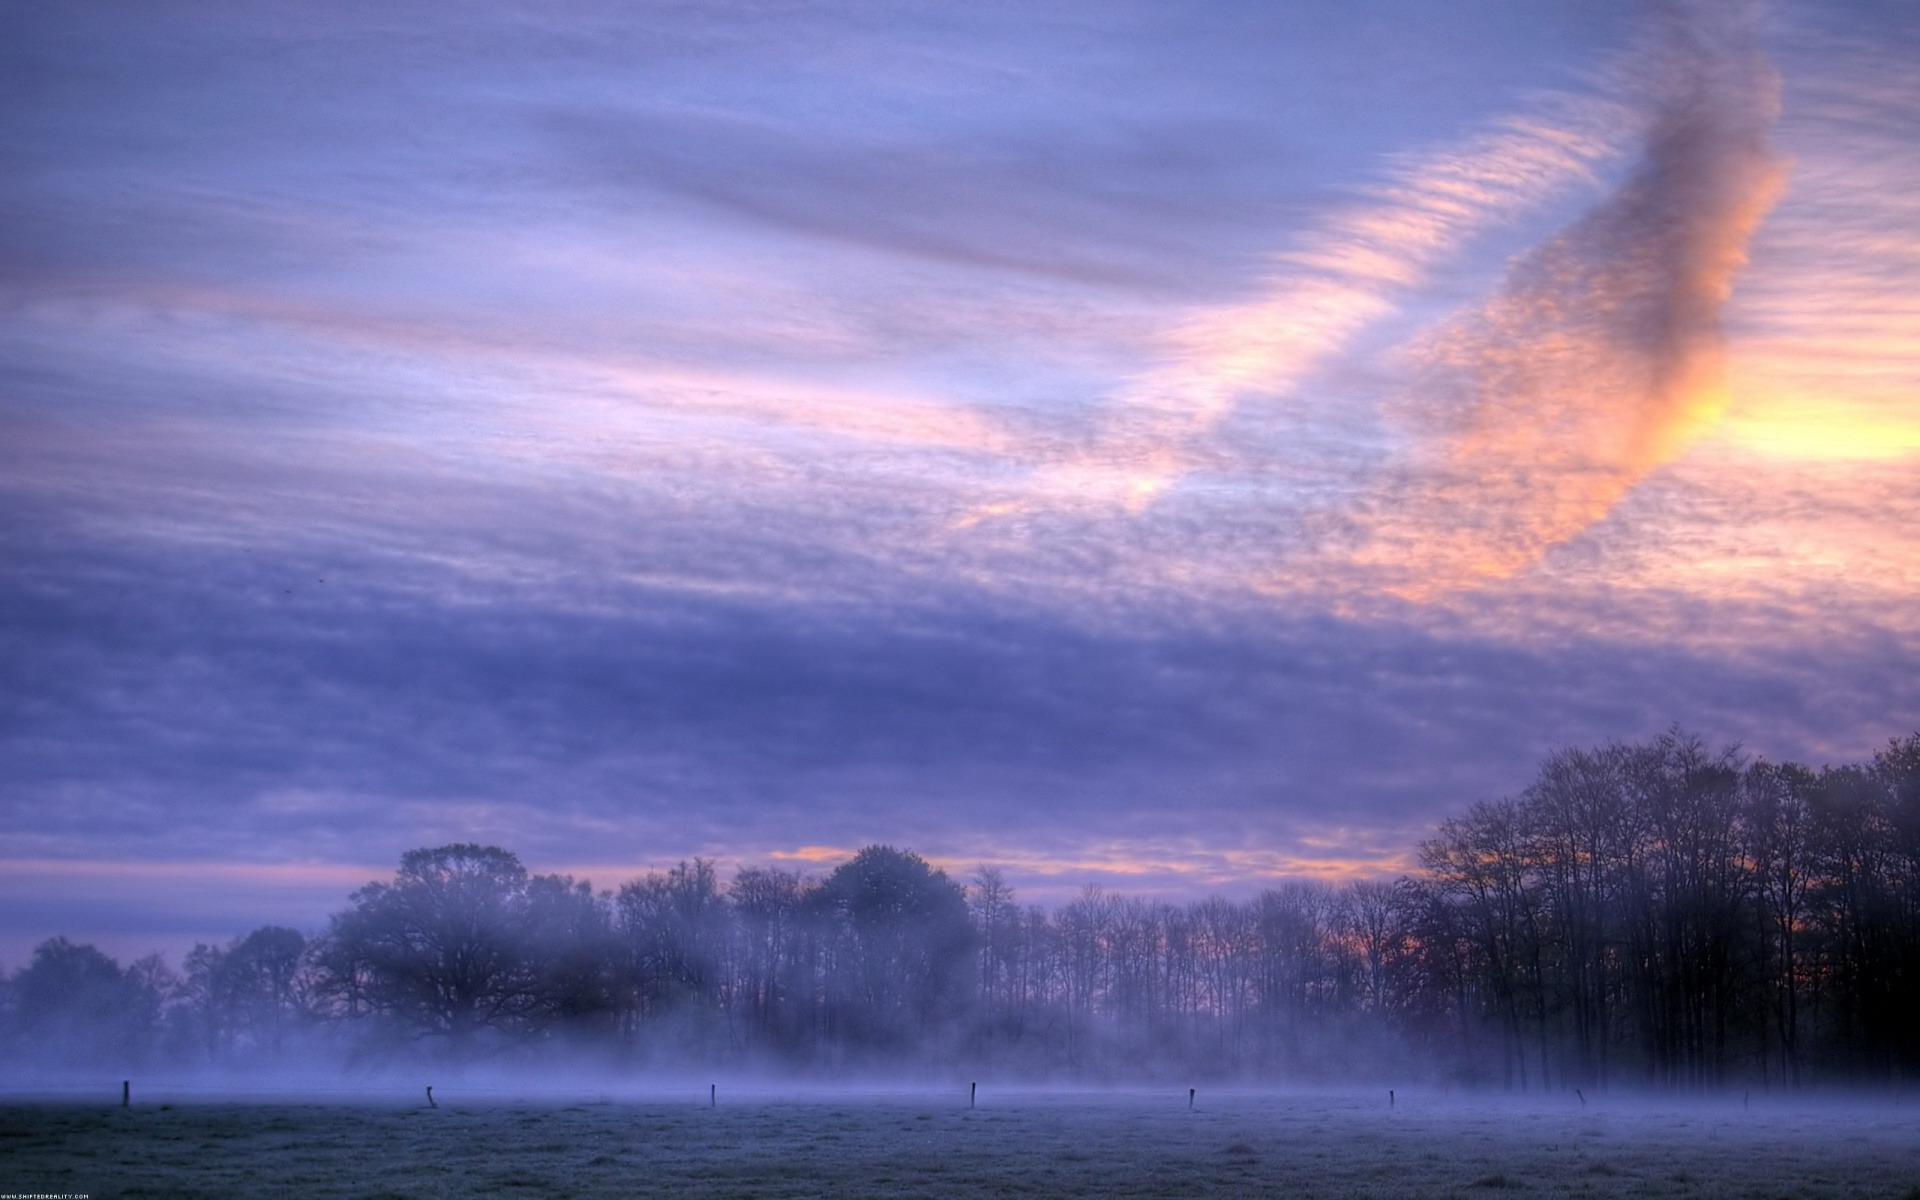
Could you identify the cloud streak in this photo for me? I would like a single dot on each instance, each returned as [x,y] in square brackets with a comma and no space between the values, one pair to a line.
[1601,357]
[1344,276]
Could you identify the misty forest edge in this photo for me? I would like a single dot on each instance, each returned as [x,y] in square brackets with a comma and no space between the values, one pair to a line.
[1641,914]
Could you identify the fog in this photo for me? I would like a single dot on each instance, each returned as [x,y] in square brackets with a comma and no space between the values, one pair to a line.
[1643,917]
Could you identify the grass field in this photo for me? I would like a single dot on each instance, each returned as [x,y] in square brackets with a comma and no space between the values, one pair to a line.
[1014,1144]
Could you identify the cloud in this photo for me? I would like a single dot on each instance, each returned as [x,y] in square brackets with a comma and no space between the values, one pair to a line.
[1824,334]
[1346,274]
[979,201]
[1601,357]
[181,700]
[540,432]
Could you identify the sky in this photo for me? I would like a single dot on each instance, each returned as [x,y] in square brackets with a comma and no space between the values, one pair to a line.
[1158,445]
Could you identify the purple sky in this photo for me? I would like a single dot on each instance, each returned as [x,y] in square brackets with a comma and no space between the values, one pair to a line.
[1160,445]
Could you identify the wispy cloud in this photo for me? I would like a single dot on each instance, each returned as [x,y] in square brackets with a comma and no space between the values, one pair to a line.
[1601,357]
[1346,273]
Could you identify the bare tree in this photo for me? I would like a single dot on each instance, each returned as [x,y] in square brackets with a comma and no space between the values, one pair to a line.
[251,994]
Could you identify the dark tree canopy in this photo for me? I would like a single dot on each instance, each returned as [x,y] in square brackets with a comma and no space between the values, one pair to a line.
[453,948]
[74,1005]
[251,994]
[905,942]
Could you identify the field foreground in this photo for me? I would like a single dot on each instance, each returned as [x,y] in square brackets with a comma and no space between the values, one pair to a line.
[1017,1144]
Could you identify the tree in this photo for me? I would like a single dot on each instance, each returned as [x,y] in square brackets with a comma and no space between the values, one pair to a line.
[996,924]
[74,1005]
[903,950]
[251,993]
[1480,863]
[674,930]
[1777,828]
[776,951]
[573,954]
[1371,918]
[447,949]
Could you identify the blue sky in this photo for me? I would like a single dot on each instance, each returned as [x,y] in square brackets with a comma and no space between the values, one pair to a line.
[1160,445]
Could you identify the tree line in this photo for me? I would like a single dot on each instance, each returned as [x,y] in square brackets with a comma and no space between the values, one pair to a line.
[1651,913]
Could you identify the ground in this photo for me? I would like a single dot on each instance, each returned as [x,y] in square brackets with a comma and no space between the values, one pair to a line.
[1133,1144]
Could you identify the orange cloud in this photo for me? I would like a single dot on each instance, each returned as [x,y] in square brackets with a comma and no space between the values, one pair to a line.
[1342,278]
[1601,357]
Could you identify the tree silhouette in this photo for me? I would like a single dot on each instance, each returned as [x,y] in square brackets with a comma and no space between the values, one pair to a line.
[1662,913]
[73,1005]
[446,949]
[903,946]
[252,993]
